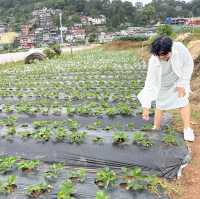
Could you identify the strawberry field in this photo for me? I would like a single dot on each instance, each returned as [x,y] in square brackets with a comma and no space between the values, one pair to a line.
[71,128]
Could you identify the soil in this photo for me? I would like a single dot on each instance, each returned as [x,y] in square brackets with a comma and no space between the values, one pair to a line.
[189,183]
[124,45]
[193,47]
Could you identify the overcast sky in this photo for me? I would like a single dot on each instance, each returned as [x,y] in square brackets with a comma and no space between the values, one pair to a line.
[143,1]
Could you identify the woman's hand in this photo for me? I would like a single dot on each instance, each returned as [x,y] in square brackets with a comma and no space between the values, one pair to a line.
[181,91]
[145,114]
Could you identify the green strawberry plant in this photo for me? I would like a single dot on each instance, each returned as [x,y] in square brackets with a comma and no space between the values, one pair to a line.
[134,172]
[105,178]
[78,175]
[77,137]
[7,108]
[53,171]
[37,190]
[137,181]
[108,128]
[119,137]
[140,139]
[9,186]
[28,165]
[60,134]
[123,108]
[40,124]
[11,131]
[73,125]
[9,121]
[43,134]
[98,139]
[25,134]
[170,139]
[66,190]
[147,127]
[7,164]
[101,195]
[95,125]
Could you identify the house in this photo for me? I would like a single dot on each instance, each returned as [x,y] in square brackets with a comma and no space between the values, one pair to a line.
[44,18]
[87,20]
[26,38]
[75,33]
[79,33]
[193,21]
[101,20]
[46,31]
[105,37]
[84,20]
[79,25]
[176,20]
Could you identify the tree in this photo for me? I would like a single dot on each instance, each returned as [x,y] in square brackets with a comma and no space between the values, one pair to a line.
[118,12]
[149,13]
[165,30]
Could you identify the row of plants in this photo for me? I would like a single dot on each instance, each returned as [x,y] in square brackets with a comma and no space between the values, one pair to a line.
[11,163]
[130,179]
[92,108]
[72,70]
[19,85]
[70,124]
[110,88]
[74,137]
[66,189]
[97,76]
[66,76]
[133,180]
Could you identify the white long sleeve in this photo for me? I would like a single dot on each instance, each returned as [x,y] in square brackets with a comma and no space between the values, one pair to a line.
[187,67]
[150,90]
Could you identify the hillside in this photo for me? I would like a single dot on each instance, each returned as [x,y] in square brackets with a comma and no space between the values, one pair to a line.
[119,13]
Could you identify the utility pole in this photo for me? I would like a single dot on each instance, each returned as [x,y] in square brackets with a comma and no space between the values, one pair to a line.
[61,28]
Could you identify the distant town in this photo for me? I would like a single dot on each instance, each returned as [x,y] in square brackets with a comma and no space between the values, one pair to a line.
[41,30]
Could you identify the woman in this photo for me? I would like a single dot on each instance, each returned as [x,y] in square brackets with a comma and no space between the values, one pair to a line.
[168,82]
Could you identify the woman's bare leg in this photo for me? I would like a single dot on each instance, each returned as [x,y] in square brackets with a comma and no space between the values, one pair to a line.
[185,115]
[157,118]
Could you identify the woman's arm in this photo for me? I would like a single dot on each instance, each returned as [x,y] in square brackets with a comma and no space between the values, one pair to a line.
[187,68]
[150,90]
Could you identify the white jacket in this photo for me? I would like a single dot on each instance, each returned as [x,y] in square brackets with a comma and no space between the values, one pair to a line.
[182,65]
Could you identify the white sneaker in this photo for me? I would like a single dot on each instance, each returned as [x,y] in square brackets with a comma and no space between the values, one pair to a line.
[189,135]
[155,128]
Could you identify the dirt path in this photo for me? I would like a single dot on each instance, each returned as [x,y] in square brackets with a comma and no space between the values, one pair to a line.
[189,183]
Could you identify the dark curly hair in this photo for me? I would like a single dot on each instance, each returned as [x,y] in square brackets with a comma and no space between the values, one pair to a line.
[161,46]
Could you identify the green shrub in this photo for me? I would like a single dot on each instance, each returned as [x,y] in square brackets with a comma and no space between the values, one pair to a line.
[132,38]
[56,48]
[49,53]
[166,30]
